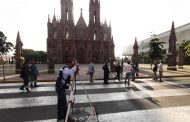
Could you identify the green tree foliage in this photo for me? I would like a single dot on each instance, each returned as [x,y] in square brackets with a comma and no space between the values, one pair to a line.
[144,57]
[185,47]
[155,51]
[39,56]
[5,47]
[42,56]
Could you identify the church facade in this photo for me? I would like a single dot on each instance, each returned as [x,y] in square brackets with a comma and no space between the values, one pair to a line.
[81,42]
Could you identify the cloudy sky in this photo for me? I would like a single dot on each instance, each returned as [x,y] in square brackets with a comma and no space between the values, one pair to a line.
[129,19]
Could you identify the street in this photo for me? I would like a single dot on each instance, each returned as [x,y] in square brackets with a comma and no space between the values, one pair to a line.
[145,101]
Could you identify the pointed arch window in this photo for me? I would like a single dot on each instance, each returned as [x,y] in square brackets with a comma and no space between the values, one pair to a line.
[66,34]
[95,35]
[105,36]
[67,15]
[55,35]
[94,17]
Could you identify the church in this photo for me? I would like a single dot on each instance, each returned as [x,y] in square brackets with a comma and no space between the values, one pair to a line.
[84,43]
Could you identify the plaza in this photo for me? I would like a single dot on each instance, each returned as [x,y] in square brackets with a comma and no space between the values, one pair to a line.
[146,100]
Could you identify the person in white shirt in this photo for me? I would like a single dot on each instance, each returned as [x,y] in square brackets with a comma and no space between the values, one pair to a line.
[160,70]
[61,85]
[91,70]
[128,69]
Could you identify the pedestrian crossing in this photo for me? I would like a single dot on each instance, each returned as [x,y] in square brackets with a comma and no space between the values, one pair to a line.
[144,101]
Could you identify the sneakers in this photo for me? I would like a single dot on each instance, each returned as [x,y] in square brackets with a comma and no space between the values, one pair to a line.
[31,85]
[21,88]
[28,90]
[35,84]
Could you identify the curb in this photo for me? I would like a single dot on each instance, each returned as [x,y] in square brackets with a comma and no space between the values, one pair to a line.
[53,80]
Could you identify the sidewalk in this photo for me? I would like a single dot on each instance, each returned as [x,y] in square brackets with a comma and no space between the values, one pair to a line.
[144,72]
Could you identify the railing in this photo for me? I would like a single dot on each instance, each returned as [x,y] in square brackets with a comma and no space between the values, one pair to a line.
[70,101]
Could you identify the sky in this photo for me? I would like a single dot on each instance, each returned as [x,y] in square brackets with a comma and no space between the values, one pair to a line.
[129,19]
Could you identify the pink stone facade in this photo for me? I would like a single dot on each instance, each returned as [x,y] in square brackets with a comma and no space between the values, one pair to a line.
[81,42]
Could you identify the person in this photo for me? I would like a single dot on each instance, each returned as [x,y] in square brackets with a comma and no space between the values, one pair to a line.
[61,85]
[155,68]
[34,74]
[160,70]
[91,70]
[106,72]
[118,71]
[128,69]
[121,77]
[25,75]
[133,71]
[137,70]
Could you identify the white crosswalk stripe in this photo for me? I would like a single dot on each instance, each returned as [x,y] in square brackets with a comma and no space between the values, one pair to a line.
[102,94]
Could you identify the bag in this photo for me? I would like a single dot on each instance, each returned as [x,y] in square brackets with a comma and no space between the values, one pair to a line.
[59,85]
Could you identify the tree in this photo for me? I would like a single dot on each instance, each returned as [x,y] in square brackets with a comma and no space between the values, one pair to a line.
[145,57]
[39,56]
[5,47]
[155,51]
[42,56]
[28,54]
[185,47]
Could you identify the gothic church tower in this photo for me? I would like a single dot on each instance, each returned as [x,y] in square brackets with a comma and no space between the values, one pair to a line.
[67,41]
[67,11]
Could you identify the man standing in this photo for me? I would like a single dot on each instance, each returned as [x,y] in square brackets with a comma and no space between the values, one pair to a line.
[34,74]
[25,75]
[160,70]
[128,69]
[61,85]
[155,68]
[91,70]
[106,72]
[118,71]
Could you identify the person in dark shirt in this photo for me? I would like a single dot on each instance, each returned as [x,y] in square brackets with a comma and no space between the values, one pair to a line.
[25,75]
[118,71]
[34,74]
[155,68]
[106,72]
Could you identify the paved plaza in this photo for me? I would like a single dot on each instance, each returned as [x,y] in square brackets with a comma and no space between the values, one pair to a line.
[145,71]
[145,101]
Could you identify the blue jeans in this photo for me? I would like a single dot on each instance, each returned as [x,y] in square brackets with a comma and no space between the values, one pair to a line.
[127,78]
[61,104]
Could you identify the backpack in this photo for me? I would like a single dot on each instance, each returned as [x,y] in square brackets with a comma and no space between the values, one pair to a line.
[59,85]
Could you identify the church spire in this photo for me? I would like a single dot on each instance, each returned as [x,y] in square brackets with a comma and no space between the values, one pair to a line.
[172,39]
[67,11]
[54,18]
[49,20]
[18,39]
[19,53]
[171,55]
[135,44]
[81,21]
[81,12]
[94,12]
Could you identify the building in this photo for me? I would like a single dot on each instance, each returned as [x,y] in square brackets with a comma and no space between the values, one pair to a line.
[69,41]
[182,33]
